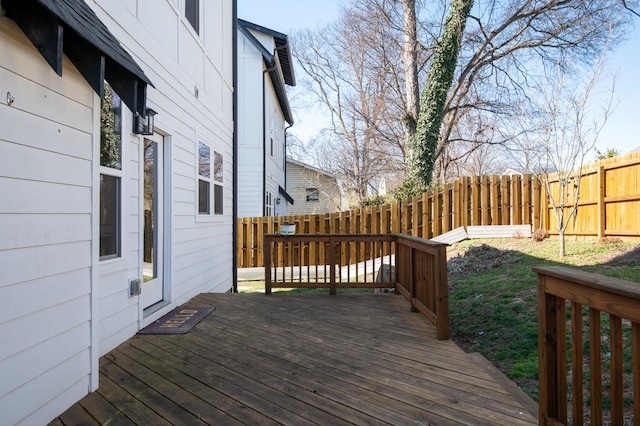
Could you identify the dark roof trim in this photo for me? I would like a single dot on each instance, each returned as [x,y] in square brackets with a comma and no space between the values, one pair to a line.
[286,196]
[71,27]
[271,64]
[282,49]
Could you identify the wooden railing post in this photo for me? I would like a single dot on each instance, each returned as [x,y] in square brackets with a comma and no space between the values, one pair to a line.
[547,355]
[332,265]
[599,294]
[441,292]
[267,264]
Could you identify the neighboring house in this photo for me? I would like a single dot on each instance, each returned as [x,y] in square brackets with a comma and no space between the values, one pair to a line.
[264,68]
[90,208]
[313,190]
[511,172]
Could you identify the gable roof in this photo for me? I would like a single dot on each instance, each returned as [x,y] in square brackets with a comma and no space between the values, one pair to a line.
[310,167]
[286,75]
[72,27]
[282,49]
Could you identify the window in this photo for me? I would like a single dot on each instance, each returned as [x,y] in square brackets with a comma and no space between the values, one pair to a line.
[313,194]
[205,181]
[218,180]
[110,174]
[192,13]
[268,206]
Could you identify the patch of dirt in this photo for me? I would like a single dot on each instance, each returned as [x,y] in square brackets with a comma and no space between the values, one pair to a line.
[480,258]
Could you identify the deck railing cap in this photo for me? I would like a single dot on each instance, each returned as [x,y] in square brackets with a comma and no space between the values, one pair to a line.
[617,286]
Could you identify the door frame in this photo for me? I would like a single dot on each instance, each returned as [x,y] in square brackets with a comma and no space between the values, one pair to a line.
[153,312]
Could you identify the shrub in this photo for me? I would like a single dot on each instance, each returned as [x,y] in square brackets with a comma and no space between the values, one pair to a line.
[540,234]
[609,240]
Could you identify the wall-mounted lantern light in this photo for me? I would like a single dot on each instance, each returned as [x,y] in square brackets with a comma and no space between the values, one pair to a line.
[143,124]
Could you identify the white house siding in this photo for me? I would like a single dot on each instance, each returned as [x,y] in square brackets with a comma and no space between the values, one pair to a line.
[259,120]
[59,306]
[299,178]
[193,78]
[250,129]
[46,179]
[274,176]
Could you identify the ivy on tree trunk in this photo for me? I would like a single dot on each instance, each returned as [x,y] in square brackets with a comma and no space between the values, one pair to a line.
[434,95]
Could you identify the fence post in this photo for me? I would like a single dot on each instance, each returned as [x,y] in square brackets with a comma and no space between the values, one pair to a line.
[458,202]
[476,207]
[516,200]
[504,199]
[602,207]
[446,208]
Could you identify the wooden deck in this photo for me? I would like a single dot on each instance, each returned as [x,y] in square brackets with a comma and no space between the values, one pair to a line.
[298,359]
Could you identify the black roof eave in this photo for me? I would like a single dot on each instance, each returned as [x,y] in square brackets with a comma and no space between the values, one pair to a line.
[276,79]
[282,49]
[72,27]
[285,194]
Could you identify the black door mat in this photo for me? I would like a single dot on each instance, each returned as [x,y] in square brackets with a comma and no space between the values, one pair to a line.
[179,321]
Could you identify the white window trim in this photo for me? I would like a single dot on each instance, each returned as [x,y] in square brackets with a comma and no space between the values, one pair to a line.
[120,173]
[212,216]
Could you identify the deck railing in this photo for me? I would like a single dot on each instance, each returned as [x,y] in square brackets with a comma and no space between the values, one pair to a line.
[413,267]
[604,361]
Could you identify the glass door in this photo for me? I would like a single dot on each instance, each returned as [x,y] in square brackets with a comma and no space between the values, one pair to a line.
[153,224]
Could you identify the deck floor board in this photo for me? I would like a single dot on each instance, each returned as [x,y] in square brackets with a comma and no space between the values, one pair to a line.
[298,359]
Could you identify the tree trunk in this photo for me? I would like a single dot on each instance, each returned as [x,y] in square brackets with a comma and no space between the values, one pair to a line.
[410,62]
[434,96]
[562,242]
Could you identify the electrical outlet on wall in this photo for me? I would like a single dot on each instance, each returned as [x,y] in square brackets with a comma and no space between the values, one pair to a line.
[135,287]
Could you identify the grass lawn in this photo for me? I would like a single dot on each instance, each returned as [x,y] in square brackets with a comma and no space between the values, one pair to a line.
[493,295]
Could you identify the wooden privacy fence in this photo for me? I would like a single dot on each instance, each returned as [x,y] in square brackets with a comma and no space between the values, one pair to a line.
[609,206]
[565,298]
[486,200]
[415,268]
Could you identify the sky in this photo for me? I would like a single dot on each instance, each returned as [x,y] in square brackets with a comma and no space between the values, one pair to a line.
[622,130]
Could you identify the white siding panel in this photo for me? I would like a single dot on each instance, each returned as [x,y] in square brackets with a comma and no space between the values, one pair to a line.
[26,129]
[19,197]
[161,20]
[26,264]
[40,357]
[118,326]
[43,165]
[191,56]
[53,392]
[24,230]
[30,330]
[50,291]
[41,101]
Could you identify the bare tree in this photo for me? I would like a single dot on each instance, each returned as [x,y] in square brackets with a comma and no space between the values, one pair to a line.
[508,47]
[358,70]
[563,134]
[350,79]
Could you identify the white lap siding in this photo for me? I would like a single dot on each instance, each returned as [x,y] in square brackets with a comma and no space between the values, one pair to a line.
[193,78]
[46,178]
